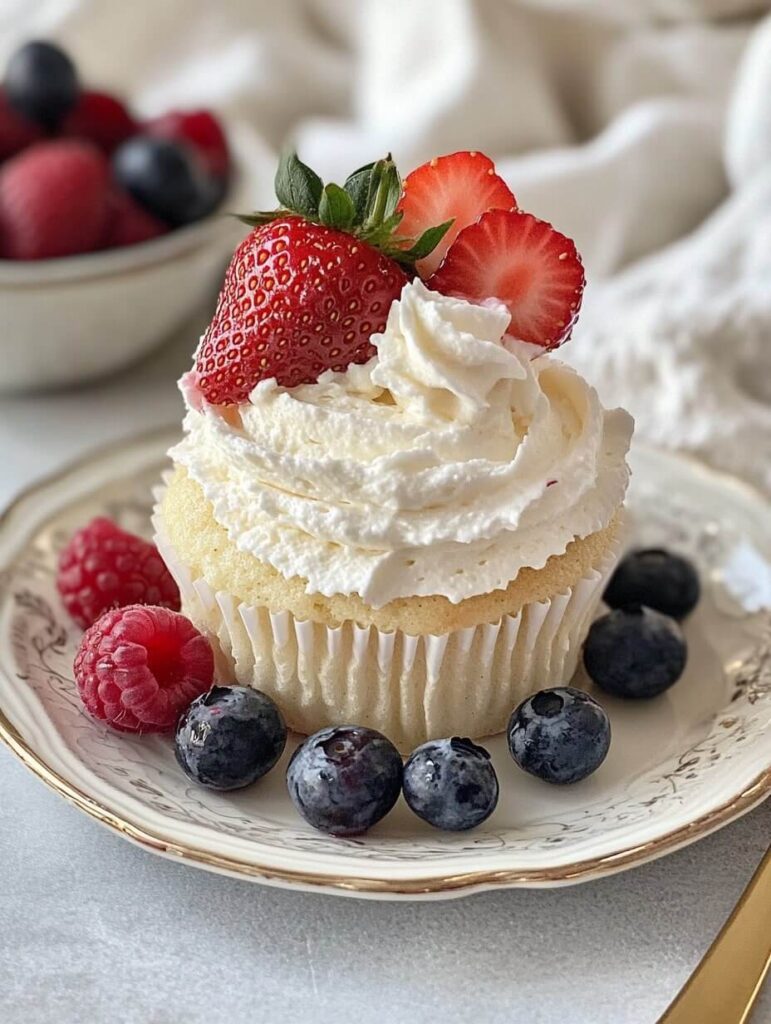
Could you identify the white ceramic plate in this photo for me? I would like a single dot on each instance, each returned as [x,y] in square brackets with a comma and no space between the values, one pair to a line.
[679,766]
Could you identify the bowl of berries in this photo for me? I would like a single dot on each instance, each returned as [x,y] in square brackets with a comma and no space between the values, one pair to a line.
[111,228]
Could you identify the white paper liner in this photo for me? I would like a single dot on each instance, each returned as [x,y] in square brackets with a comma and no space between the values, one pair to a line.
[411,688]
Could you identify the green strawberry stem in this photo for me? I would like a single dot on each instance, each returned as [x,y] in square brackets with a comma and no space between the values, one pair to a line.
[386,182]
[365,206]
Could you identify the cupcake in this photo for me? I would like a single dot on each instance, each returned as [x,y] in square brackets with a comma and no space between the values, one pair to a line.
[391,506]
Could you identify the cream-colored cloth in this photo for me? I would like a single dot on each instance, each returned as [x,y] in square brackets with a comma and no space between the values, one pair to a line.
[626,124]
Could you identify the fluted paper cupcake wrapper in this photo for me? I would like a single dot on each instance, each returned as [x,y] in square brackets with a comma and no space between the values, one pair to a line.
[412,688]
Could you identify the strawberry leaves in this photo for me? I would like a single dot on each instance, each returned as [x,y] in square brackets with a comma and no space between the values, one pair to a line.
[381,217]
[298,188]
[336,209]
[365,206]
[427,242]
[357,187]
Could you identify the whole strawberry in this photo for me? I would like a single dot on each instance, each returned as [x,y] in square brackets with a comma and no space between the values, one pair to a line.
[274,320]
[53,200]
[307,289]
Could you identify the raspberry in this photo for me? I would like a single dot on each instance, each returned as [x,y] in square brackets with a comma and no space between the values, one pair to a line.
[16,131]
[100,118]
[138,668]
[104,567]
[53,200]
[128,223]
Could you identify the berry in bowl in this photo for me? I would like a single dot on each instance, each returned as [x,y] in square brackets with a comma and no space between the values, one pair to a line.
[108,225]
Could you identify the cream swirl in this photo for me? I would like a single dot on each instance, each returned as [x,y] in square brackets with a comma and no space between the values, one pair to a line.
[447,463]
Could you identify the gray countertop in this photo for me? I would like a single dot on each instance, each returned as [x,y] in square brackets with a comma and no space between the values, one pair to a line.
[93,929]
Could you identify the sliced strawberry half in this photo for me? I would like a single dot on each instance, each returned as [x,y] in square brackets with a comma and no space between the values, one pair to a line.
[458,187]
[524,262]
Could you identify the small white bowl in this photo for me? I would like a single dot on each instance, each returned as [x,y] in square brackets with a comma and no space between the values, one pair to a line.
[69,320]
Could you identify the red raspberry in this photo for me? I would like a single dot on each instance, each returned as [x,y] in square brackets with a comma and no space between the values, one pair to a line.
[53,200]
[16,132]
[104,567]
[129,223]
[100,118]
[139,667]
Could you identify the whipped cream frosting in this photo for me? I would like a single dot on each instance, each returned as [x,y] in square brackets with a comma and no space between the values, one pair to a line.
[447,463]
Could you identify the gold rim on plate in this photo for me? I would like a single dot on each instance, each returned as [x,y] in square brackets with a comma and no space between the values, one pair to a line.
[751,796]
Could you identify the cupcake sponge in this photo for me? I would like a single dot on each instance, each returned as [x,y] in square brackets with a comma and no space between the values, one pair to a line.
[205,548]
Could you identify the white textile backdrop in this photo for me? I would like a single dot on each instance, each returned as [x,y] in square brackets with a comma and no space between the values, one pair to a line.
[640,127]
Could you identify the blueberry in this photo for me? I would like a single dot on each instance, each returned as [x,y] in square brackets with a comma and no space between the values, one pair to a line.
[451,784]
[41,83]
[229,737]
[635,652]
[560,735]
[166,178]
[655,578]
[343,780]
